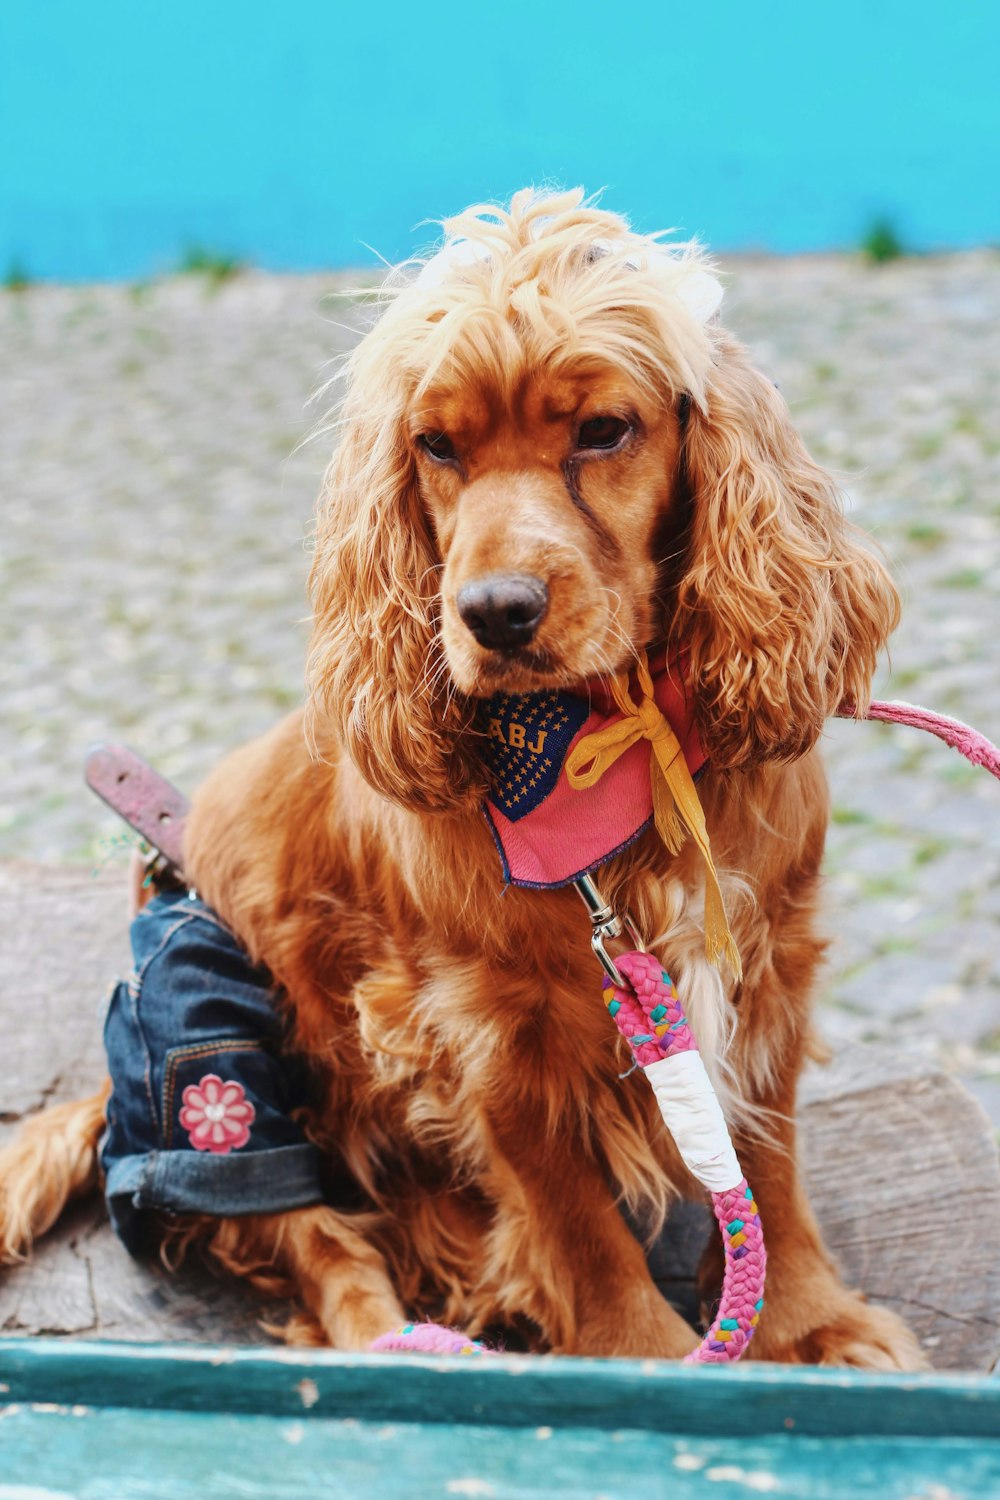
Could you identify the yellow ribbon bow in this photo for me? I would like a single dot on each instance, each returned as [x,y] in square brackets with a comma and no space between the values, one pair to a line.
[677,810]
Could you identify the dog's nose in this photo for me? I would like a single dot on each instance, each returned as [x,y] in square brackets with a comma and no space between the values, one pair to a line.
[503,610]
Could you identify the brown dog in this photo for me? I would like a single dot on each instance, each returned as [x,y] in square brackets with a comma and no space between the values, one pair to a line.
[552,457]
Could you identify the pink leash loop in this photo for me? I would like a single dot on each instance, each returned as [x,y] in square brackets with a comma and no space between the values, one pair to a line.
[648,1014]
[427,1338]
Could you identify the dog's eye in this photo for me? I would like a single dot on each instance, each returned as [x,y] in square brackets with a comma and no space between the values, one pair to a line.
[602,432]
[439,445]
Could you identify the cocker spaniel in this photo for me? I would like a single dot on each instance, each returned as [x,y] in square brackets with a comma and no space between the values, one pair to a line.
[553,458]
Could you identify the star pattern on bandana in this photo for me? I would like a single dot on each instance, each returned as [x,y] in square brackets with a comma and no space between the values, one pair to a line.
[527,736]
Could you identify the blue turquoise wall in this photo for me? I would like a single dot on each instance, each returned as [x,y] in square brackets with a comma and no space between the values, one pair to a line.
[298,134]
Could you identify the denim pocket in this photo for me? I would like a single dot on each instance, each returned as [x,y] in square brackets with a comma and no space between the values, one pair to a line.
[227,1094]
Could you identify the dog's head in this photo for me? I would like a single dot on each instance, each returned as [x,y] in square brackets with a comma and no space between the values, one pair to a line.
[553,455]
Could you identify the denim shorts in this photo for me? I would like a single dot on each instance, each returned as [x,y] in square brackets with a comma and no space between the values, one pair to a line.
[200,1118]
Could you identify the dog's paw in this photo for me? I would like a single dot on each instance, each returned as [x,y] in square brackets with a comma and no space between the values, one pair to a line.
[857,1335]
[638,1324]
[427,1338]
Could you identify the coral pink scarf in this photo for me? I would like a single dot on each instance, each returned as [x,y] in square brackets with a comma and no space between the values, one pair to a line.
[575,780]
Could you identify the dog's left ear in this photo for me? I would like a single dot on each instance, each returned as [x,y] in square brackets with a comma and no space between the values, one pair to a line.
[783,611]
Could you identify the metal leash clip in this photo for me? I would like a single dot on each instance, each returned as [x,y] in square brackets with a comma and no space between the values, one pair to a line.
[607,926]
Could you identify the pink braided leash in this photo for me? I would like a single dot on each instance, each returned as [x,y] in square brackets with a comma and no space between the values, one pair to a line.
[649,1016]
[961,737]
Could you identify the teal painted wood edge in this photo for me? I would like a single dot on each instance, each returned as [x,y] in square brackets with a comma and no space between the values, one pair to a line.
[509,1391]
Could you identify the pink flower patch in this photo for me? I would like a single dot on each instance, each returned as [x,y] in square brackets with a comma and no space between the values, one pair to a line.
[217,1116]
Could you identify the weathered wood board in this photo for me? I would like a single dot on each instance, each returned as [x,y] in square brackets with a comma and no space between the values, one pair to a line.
[901,1162]
[99,1420]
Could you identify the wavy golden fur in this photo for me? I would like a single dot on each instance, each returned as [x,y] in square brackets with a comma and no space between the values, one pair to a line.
[549,398]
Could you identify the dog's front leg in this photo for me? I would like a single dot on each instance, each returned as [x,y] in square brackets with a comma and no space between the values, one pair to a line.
[340,1277]
[561,1254]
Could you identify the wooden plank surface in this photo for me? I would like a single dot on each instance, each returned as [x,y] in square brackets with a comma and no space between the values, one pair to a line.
[63,940]
[114,1455]
[90,1421]
[901,1162]
[519,1390]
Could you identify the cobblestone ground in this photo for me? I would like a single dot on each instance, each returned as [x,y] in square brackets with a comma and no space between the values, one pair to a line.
[155,505]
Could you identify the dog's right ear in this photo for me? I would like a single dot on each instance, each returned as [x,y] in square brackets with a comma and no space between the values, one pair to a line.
[375,670]
[782,608]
